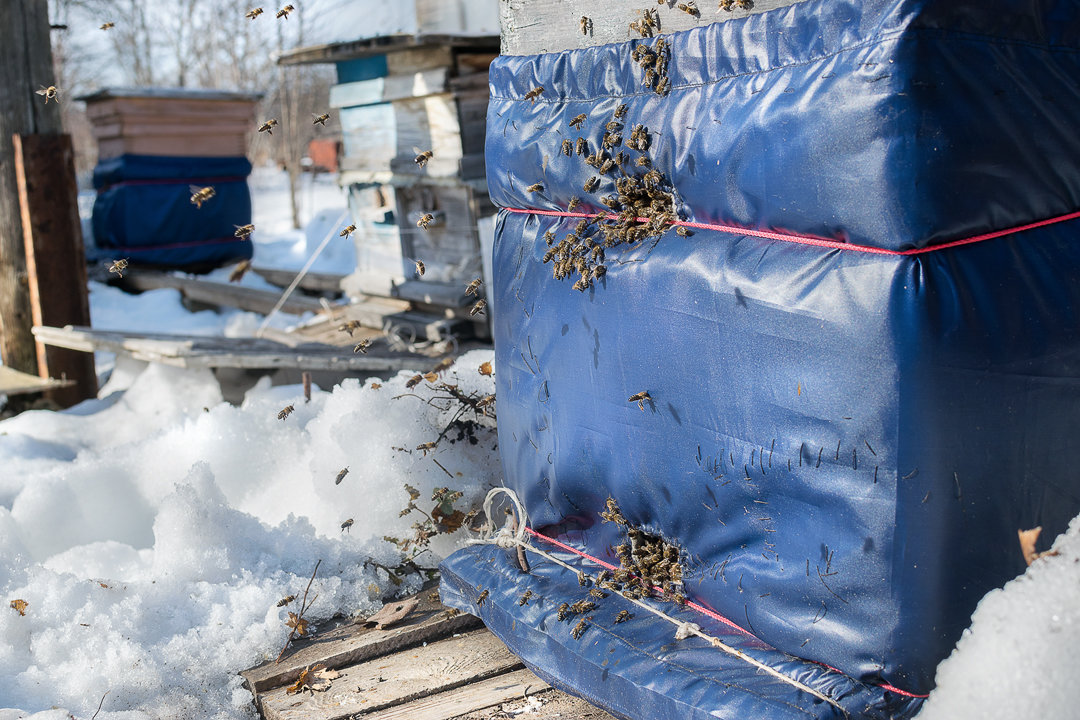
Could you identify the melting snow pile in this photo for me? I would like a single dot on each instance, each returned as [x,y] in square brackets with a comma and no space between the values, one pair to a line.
[151,533]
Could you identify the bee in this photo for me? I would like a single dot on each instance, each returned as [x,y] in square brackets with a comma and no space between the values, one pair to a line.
[567,148]
[485,401]
[591,184]
[481,598]
[586,25]
[577,121]
[640,399]
[620,112]
[243,231]
[443,365]
[607,166]
[597,593]
[564,611]
[579,629]
[284,12]
[362,346]
[745,4]
[347,231]
[684,231]
[549,237]
[651,19]
[613,126]
[663,86]
[253,13]
[341,475]
[422,158]
[524,599]
[349,327]
[268,126]
[425,220]
[650,78]
[285,412]
[582,146]
[108,25]
[643,161]
[572,205]
[679,598]
[610,201]
[478,307]
[51,93]
[320,119]
[595,159]
[414,381]
[582,284]
[581,579]
[473,288]
[536,187]
[431,445]
[690,8]
[346,525]
[420,267]
[285,600]
[118,267]
[239,271]
[199,195]
[534,93]
[623,616]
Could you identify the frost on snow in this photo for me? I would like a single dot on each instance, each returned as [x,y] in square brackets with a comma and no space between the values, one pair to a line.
[152,533]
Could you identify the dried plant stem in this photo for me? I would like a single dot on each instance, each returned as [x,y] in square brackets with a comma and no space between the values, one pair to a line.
[303,608]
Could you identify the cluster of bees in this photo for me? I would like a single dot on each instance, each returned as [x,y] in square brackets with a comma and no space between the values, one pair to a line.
[654,63]
[729,5]
[645,562]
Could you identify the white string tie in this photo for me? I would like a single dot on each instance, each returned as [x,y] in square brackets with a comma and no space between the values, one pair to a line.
[687,629]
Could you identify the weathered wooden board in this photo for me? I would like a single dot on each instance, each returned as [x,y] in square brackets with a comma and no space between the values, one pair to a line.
[399,678]
[222,294]
[14,382]
[538,704]
[474,696]
[352,643]
[313,281]
[543,26]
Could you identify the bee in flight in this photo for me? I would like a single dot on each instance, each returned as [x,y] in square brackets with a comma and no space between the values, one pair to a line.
[118,267]
[349,327]
[478,308]
[474,287]
[348,523]
[268,126]
[320,119]
[362,346]
[420,267]
[284,12]
[425,220]
[640,399]
[341,475]
[285,600]
[108,25]
[51,93]
[199,195]
[534,93]
[423,158]
[347,231]
[285,412]
[253,13]
[243,231]
[431,445]
[239,271]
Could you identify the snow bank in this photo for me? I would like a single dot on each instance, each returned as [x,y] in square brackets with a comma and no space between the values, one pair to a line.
[152,532]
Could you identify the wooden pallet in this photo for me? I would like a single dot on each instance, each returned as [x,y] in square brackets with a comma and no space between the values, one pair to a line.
[433,665]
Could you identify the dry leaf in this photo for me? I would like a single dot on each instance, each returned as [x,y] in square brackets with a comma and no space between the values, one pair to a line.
[19,606]
[431,377]
[391,614]
[448,522]
[297,623]
[1028,538]
[376,386]
[485,368]
[313,679]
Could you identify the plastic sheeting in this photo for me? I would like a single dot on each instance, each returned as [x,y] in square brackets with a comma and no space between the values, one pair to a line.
[143,209]
[843,443]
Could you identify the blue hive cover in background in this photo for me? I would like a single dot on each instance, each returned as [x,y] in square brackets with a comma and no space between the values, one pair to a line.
[850,413]
[143,210]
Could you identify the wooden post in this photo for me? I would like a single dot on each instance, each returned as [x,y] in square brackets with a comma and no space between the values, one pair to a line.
[55,259]
[26,59]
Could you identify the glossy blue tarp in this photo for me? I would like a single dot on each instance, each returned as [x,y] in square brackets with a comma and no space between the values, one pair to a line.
[843,443]
[143,209]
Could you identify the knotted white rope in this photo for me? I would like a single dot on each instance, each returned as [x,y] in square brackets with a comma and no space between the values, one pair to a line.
[507,538]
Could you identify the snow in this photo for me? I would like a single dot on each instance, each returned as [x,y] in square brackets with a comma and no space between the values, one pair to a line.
[152,532]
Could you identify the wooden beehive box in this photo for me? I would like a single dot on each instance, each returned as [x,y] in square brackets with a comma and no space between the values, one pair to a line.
[172,122]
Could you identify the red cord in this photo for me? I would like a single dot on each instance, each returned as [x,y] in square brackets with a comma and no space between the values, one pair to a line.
[822,242]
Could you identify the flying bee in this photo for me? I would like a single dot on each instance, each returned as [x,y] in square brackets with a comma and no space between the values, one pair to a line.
[524,599]
[481,598]
[623,616]
[199,195]
[533,94]
[478,308]
[118,267]
[341,475]
[473,288]
[579,629]
[425,220]
[683,230]
[414,381]
[535,187]
[422,158]
[567,148]
[346,525]
[420,267]
[347,231]
[577,121]
[572,205]
[586,25]
[285,412]
[640,399]
[362,346]
[285,600]
[430,445]
[690,8]
[243,231]
[268,126]
[591,184]
[240,270]
[564,611]
[320,119]
[253,13]
[108,25]
[284,12]
[51,93]
[582,146]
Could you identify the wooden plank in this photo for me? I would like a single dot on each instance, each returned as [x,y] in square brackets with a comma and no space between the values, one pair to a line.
[185,146]
[313,281]
[389,88]
[391,680]
[545,26]
[220,294]
[384,44]
[55,258]
[352,643]
[475,696]
[549,704]
[15,382]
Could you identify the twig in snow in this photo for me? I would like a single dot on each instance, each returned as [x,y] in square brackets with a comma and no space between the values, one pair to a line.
[304,605]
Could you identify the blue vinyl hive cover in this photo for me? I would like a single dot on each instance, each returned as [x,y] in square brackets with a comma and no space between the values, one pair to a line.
[861,353]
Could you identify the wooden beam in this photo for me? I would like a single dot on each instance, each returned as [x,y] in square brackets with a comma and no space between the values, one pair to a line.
[55,258]
[220,294]
[26,59]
